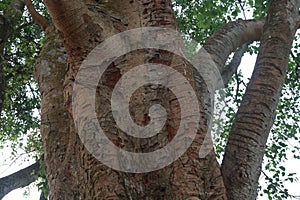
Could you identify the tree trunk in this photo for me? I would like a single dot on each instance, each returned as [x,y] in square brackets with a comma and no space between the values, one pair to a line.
[83,176]
[72,171]
[50,70]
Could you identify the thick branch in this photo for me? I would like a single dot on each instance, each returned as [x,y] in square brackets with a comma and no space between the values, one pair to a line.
[244,152]
[231,36]
[232,67]
[69,17]
[18,179]
[211,60]
[39,19]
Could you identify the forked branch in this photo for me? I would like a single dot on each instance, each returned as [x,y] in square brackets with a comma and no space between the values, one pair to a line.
[39,19]
[232,67]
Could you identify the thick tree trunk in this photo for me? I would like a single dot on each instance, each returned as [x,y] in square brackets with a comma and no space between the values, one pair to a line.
[86,178]
[50,71]
[72,172]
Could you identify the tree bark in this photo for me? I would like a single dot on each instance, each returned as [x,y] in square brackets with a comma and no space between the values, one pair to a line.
[189,177]
[72,172]
[244,152]
[19,179]
[50,70]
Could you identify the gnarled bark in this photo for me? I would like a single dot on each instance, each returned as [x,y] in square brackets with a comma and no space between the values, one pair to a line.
[73,173]
[189,176]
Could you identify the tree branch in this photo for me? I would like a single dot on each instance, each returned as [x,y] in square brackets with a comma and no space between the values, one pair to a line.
[39,19]
[18,179]
[216,50]
[232,67]
[70,23]
[246,145]
[231,36]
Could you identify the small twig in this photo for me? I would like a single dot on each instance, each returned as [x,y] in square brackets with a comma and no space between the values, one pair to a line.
[32,91]
[235,62]
[242,7]
[14,161]
[237,88]
[39,19]
[278,187]
[21,27]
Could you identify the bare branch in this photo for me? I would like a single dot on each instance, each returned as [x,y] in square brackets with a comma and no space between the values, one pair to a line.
[232,67]
[231,36]
[39,19]
[18,179]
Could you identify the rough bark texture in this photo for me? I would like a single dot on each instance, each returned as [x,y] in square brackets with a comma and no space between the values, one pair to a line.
[72,172]
[18,179]
[241,166]
[186,178]
[50,70]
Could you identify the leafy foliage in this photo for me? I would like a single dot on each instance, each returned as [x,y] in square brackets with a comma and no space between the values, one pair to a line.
[19,128]
[19,119]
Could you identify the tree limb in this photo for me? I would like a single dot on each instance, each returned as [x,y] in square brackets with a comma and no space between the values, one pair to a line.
[71,23]
[39,19]
[246,145]
[232,67]
[216,50]
[18,179]
[231,36]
